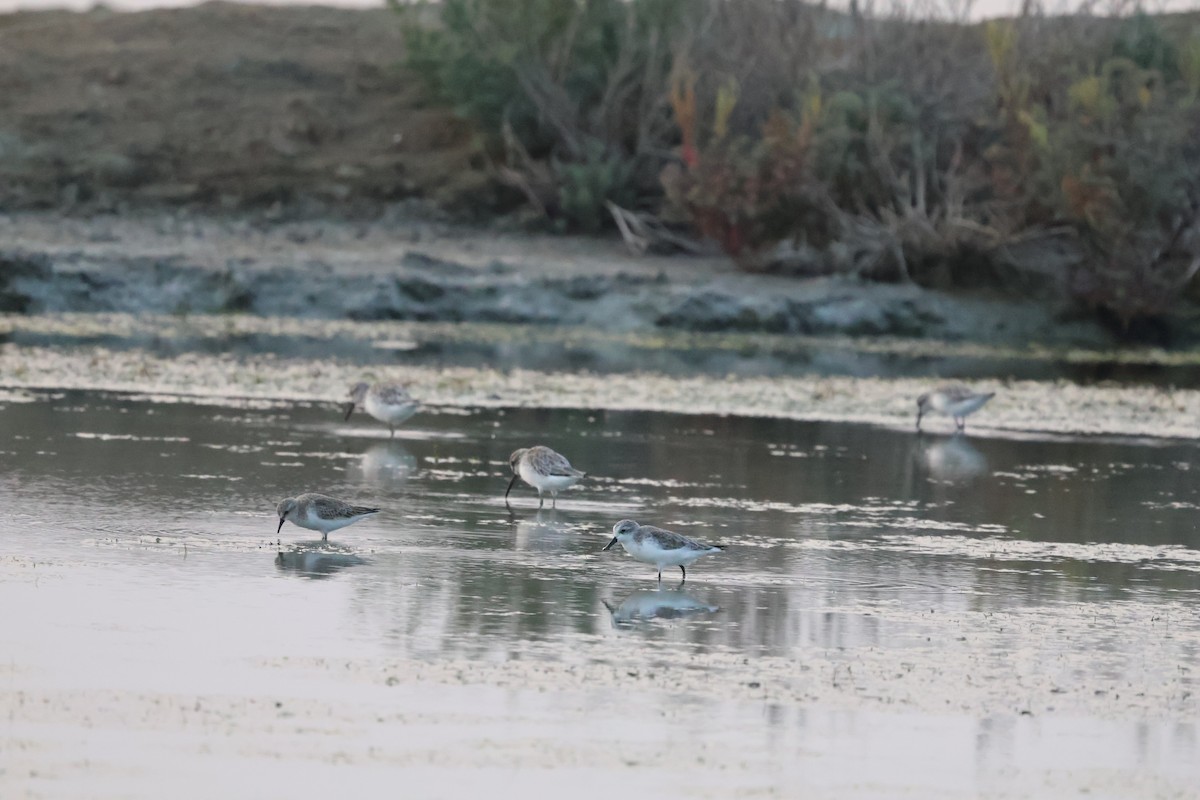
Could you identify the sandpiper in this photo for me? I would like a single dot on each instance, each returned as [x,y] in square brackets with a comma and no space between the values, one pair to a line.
[390,403]
[319,512]
[659,547]
[544,470]
[953,400]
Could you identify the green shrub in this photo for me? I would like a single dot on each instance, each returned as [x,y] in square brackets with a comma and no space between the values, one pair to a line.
[584,186]
[924,144]
[750,193]
[575,82]
[1112,151]
[1129,165]
[863,139]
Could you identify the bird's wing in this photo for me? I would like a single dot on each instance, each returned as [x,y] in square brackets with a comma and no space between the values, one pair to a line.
[332,508]
[394,394]
[548,462]
[357,511]
[670,540]
[956,392]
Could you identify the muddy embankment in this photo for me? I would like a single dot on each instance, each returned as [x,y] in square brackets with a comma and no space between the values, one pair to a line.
[401,269]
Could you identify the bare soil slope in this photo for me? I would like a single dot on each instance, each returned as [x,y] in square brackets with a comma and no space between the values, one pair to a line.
[221,105]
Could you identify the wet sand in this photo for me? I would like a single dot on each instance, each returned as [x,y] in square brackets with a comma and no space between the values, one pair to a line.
[1020,407]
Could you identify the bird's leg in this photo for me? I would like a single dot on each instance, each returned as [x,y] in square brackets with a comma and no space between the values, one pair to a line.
[392,428]
[554,499]
[660,574]
[961,422]
[684,571]
[541,499]
[325,536]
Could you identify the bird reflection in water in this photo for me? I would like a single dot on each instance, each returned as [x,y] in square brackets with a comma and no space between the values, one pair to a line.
[646,605]
[387,463]
[316,559]
[952,459]
[546,531]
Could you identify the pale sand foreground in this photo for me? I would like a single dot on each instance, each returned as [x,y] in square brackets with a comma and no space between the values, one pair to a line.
[1024,688]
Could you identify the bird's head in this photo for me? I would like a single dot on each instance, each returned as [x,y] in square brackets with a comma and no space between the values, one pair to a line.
[622,531]
[285,509]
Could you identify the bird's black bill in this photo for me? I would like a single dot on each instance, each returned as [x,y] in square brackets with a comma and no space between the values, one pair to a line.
[510,485]
[610,544]
[277,530]
[918,420]
[349,410]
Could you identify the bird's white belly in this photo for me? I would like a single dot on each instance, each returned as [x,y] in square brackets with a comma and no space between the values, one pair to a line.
[387,413]
[653,554]
[546,483]
[315,523]
[962,408]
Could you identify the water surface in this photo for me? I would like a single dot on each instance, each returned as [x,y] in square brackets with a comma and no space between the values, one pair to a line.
[1025,608]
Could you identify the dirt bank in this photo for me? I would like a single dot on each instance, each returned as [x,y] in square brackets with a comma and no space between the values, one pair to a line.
[262,115]
[397,267]
[220,105]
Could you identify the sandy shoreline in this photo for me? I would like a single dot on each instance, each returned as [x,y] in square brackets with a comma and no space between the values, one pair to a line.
[400,267]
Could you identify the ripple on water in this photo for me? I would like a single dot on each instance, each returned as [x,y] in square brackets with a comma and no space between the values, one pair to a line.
[241,449]
[128,437]
[814,509]
[380,431]
[996,548]
[18,396]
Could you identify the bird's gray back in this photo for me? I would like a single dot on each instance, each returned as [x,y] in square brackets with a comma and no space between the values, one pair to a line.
[392,394]
[547,462]
[667,540]
[955,392]
[327,507]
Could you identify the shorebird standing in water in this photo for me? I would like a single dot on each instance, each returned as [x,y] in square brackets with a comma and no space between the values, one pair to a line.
[544,470]
[319,512]
[659,547]
[952,400]
[390,403]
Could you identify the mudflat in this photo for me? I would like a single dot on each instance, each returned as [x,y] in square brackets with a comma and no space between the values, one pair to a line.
[219,105]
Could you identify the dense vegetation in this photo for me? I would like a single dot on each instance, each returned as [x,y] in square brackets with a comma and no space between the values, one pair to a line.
[1041,154]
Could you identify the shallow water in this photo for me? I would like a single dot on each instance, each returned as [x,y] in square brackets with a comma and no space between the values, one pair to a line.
[933,614]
